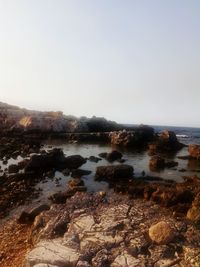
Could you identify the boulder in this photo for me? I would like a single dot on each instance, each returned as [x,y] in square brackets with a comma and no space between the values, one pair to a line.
[54,159]
[114,155]
[73,162]
[166,141]
[139,137]
[115,172]
[161,233]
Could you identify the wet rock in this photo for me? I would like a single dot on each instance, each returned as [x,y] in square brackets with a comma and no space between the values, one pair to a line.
[13,168]
[114,172]
[29,216]
[114,155]
[66,172]
[60,197]
[54,159]
[74,161]
[94,159]
[171,164]
[139,137]
[156,163]
[46,161]
[167,141]
[79,173]
[76,185]
[103,155]
[194,151]
[161,233]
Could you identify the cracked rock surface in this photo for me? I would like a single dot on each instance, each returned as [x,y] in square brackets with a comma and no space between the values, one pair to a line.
[102,231]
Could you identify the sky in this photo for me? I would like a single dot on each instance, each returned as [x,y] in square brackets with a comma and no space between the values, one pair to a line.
[132,61]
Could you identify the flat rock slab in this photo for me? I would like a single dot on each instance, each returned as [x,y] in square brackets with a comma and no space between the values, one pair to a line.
[52,253]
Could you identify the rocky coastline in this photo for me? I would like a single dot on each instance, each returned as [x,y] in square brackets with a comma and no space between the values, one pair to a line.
[143,221]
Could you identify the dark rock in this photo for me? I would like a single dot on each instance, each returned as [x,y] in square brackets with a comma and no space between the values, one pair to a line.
[13,168]
[79,173]
[94,159]
[46,161]
[167,141]
[171,164]
[114,172]
[103,155]
[54,159]
[60,197]
[66,172]
[29,216]
[156,163]
[114,155]
[140,137]
[74,161]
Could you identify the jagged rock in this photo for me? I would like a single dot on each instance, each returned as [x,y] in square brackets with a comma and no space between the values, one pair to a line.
[29,216]
[141,136]
[161,233]
[194,151]
[193,213]
[167,141]
[114,172]
[125,259]
[156,163]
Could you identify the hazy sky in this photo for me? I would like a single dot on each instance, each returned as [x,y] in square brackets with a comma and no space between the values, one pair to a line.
[132,61]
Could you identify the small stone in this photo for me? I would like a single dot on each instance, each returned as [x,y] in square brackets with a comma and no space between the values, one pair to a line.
[161,233]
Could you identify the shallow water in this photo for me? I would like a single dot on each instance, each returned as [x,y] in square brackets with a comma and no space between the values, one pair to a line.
[138,159]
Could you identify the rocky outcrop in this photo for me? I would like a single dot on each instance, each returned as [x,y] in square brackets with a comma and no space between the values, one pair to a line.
[166,141]
[194,151]
[117,232]
[139,137]
[13,118]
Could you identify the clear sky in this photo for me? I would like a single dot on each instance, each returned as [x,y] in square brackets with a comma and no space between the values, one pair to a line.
[133,61]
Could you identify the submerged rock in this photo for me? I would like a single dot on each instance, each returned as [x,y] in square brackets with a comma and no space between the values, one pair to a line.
[156,163]
[114,172]
[114,155]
